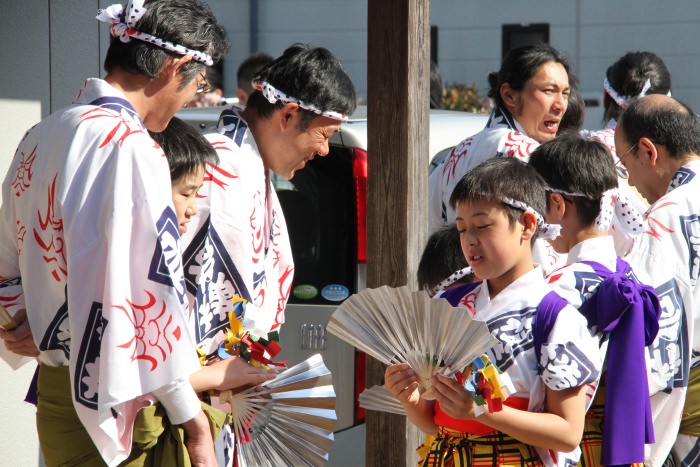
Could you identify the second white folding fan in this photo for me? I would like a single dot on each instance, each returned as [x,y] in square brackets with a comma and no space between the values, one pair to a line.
[397,325]
[289,422]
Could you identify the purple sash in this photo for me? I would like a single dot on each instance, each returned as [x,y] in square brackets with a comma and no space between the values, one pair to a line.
[629,312]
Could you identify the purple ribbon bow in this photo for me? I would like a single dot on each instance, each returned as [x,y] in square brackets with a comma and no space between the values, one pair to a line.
[629,312]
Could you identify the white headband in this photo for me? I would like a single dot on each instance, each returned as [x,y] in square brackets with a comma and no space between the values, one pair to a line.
[613,203]
[273,95]
[454,277]
[624,101]
[126,31]
[549,231]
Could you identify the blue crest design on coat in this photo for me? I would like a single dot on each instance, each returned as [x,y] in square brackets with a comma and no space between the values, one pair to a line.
[567,367]
[166,264]
[514,333]
[690,226]
[57,335]
[586,283]
[212,278]
[681,177]
[670,351]
[87,377]
[232,126]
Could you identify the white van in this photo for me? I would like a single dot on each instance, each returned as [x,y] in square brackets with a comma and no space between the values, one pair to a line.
[325,209]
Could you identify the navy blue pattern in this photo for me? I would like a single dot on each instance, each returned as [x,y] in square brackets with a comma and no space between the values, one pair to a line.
[118,105]
[586,284]
[166,263]
[232,126]
[690,226]
[57,335]
[567,367]
[693,457]
[86,384]
[671,348]
[205,260]
[681,177]
[514,333]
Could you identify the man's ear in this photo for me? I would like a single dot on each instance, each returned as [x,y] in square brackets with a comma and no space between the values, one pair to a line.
[648,151]
[289,115]
[172,67]
[508,96]
[529,222]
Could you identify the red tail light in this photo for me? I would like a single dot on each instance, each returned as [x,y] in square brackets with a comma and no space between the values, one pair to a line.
[359,170]
[360,359]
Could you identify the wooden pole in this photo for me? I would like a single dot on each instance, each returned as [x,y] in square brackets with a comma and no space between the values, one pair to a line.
[398,71]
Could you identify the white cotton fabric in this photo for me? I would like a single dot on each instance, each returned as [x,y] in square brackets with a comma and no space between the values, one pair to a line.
[509,316]
[88,223]
[669,252]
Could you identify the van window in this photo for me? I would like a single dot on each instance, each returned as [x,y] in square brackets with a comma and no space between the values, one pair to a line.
[319,209]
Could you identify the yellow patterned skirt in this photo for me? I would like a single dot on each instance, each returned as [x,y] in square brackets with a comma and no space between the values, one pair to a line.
[453,448]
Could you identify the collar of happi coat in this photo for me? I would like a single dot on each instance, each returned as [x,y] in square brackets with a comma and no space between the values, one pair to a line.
[600,249]
[502,118]
[100,93]
[684,175]
[526,285]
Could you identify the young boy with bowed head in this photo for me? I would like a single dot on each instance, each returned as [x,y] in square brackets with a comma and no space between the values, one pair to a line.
[499,205]
[583,197]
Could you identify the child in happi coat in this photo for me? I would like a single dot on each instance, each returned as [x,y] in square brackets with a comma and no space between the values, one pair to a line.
[498,207]
[583,197]
[188,153]
[442,264]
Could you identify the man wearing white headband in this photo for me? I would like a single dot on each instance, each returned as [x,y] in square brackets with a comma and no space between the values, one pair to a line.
[659,139]
[88,224]
[238,244]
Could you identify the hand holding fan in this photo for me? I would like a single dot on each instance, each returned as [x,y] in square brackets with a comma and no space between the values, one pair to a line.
[397,325]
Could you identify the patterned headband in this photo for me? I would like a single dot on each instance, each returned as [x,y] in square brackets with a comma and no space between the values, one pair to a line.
[125,31]
[549,231]
[273,95]
[454,277]
[624,101]
[613,203]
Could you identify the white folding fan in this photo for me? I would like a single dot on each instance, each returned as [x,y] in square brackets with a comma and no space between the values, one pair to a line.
[289,422]
[397,325]
[379,399]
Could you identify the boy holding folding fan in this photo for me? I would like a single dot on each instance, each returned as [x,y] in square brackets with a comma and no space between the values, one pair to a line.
[582,197]
[498,207]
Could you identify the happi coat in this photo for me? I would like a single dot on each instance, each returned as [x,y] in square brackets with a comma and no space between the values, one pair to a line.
[569,357]
[238,243]
[614,317]
[669,252]
[87,222]
[503,136]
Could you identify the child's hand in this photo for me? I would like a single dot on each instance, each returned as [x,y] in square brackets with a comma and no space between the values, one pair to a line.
[401,381]
[454,400]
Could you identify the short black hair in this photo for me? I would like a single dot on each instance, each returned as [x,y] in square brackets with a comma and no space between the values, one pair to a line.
[575,164]
[442,256]
[628,75]
[669,122]
[575,110]
[521,64]
[310,74]
[249,69]
[502,177]
[189,23]
[185,148]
